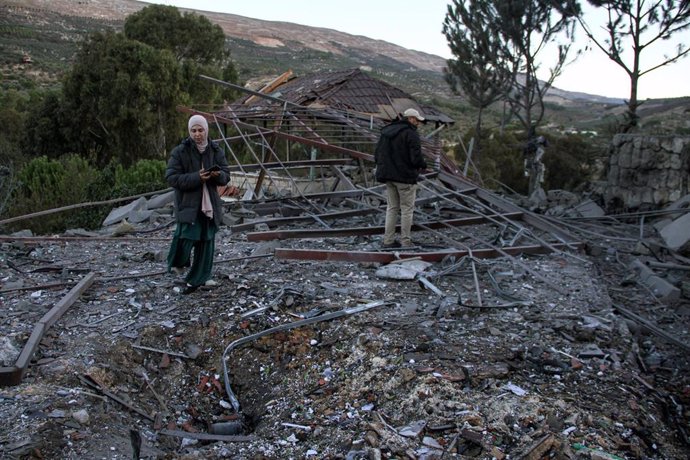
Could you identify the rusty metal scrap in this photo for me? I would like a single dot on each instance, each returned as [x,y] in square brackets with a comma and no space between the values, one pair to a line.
[387,257]
[652,327]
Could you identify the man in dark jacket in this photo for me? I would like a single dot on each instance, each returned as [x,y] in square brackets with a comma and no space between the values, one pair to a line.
[398,163]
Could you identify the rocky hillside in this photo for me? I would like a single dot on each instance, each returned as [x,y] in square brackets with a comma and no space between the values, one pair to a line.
[47,33]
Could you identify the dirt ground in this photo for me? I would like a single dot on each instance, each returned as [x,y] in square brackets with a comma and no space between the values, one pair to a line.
[485,361]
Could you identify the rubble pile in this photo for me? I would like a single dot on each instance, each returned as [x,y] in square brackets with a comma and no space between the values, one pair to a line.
[568,354]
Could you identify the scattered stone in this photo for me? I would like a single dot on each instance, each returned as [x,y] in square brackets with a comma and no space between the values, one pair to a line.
[413,429]
[123,213]
[81,416]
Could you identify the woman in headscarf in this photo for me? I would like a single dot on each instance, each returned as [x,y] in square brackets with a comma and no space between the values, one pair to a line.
[196,167]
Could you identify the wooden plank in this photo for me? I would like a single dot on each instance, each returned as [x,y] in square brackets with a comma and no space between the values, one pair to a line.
[30,347]
[270,86]
[61,307]
[10,376]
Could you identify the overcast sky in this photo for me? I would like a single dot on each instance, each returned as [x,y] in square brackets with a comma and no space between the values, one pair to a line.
[417,25]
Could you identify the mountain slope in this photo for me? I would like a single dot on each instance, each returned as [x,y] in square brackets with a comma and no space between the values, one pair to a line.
[273,37]
[49,31]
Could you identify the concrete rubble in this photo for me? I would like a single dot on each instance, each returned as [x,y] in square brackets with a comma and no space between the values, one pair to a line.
[513,329]
[135,367]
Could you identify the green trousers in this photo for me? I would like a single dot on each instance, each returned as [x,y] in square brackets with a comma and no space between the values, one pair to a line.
[200,238]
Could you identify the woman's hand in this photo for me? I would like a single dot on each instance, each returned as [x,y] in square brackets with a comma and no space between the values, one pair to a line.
[206,175]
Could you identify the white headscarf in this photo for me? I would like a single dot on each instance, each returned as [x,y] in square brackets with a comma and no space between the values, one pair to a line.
[206,206]
[201,121]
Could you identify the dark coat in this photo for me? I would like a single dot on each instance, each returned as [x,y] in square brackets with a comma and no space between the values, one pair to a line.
[182,173]
[399,153]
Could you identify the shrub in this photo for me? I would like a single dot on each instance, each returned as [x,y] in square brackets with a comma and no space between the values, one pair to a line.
[69,180]
[498,158]
[143,176]
[569,161]
[48,184]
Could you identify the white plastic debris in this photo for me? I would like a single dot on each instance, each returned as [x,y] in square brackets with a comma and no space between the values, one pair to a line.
[405,270]
[515,389]
[413,429]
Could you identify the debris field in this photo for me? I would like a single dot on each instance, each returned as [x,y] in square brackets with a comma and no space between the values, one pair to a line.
[504,333]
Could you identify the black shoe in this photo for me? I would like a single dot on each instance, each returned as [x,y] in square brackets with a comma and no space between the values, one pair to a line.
[394,244]
[189,289]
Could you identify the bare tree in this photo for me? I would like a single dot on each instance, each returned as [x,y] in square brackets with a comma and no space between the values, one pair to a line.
[633,26]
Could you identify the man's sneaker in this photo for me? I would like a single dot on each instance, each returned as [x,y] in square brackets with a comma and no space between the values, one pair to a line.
[211,283]
[179,270]
[394,244]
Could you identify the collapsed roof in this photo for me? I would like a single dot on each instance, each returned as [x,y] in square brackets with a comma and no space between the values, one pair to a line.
[325,126]
[352,91]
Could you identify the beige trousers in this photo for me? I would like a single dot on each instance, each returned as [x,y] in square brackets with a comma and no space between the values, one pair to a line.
[401,198]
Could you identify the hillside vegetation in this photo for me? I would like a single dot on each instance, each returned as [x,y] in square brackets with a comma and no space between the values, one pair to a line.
[48,33]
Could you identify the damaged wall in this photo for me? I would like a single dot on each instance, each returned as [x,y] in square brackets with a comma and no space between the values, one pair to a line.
[646,171]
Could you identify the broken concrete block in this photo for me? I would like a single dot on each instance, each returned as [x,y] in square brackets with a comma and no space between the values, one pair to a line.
[681,203]
[123,229]
[661,288]
[589,208]
[8,352]
[23,233]
[676,235]
[230,219]
[413,429]
[118,214]
[267,247]
[81,232]
[139,216]
[661,223]
[591,350]
[161,201]
[561,197]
